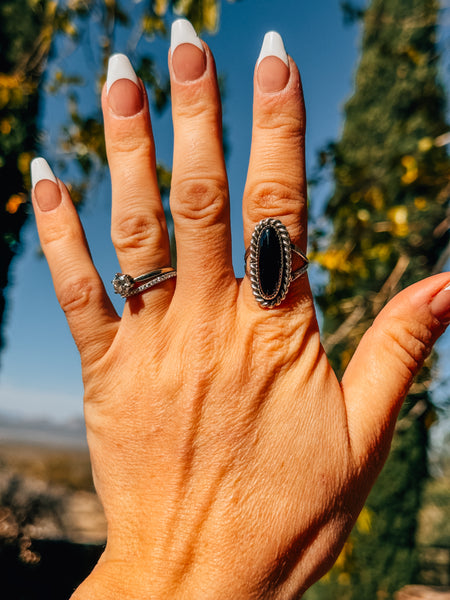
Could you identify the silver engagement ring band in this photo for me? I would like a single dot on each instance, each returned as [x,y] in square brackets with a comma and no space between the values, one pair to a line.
[127,286]
[270,266]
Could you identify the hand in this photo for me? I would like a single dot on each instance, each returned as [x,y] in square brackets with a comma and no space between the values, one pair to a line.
[230,461]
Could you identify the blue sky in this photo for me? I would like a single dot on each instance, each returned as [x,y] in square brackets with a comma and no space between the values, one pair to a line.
[40,373]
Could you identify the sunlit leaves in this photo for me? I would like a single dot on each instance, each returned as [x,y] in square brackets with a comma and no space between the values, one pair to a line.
[14,88]
[29,29]
[82,138]
[160,7]
[14,202]
[152,25]
[61,80]
[203,14]
[26,29]
[398,216]
[411,169]
[390,228]
[157,84]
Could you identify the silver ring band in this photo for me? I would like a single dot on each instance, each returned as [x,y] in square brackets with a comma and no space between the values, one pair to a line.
[127,286]
[270,265]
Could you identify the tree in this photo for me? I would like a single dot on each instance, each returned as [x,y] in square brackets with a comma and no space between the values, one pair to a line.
[29,32]
[24,42]
[390,227]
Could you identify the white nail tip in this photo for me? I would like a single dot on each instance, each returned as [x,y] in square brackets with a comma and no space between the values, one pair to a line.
[119,67]
[446,289]
[40,169]
[273,46]
[183,33]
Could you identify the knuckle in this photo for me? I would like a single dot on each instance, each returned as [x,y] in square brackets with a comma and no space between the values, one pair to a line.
[55,233]
[77,293]
[194,107]
[268,199]
[409,343]
[199,200]
[133,147]
[197,102]
[135,231]
[282,121]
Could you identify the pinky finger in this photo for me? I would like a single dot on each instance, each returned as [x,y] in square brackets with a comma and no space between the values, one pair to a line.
[79,289]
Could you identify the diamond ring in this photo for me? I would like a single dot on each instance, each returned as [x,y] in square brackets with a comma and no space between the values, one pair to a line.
[270,265]
[127,286]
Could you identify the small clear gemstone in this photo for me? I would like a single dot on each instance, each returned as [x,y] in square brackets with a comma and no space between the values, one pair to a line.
[122,284]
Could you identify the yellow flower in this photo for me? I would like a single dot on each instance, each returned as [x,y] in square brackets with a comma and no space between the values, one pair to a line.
[412,170]
[334,260]
[420,203]
[375,196]
[14,202]
[379,252]
[363,215]
[364,522]
[5,127]
[398,215]
[23,162]
[425,144]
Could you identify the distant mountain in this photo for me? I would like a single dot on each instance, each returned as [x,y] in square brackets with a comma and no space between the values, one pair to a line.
[14,428]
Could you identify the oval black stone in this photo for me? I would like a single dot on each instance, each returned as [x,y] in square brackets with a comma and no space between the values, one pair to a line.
[270,262]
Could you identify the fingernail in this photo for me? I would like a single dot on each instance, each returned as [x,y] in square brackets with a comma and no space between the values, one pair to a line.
[440,305]
[188,57]
[273,64]
[45,186]
[122,86]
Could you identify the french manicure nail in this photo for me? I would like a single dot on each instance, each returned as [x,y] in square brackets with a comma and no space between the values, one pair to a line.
[122,87]
[45,185]
[188,56]
[440,305]
[272,64]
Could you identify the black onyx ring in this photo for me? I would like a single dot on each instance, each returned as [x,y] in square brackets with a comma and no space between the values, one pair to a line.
[270,264]
[127,286]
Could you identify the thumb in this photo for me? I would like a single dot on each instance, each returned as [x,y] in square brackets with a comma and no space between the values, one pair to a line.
[388,357]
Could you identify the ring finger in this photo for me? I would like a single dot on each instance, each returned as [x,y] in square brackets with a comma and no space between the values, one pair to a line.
[276,179]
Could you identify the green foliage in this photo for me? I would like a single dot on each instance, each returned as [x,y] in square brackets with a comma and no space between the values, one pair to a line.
[23,41]
[391,170]
[387,559]
[30,32]
[435,529]
[389,229]
[82,135]
[351,12]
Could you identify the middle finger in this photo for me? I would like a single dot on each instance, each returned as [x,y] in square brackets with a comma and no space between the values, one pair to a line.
[199,195]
